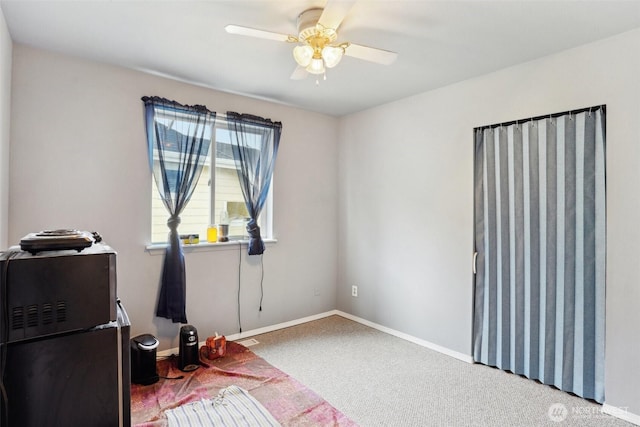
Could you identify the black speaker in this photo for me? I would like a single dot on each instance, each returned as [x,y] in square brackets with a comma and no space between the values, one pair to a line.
[188,359]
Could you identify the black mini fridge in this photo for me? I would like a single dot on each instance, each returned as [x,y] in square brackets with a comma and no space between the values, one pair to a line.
[67,360]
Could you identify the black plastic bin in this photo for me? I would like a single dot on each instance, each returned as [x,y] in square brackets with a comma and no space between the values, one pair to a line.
[143,359]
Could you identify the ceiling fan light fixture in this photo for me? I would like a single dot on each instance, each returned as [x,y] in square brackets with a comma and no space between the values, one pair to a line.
[316,66]
[332,55]
[317,47]
[303,54]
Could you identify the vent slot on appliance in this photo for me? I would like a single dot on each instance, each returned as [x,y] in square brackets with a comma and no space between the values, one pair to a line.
[17,318]
[32,316]
[47,314]
[61,311]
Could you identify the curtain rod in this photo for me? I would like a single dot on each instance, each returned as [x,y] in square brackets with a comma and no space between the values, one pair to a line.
[546,116]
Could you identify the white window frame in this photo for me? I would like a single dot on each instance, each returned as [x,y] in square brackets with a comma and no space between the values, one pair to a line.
[265,221]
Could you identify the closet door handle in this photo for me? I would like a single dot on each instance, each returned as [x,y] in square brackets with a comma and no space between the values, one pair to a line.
[475,259]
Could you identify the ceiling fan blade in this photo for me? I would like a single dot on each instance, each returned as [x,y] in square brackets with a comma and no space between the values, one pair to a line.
[252,32]
[334,12]
[299,73]
[380,56]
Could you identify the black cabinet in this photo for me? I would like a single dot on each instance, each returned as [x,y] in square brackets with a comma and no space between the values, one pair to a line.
[69,369]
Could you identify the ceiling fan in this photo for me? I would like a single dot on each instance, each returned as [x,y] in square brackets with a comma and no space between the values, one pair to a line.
[316,43]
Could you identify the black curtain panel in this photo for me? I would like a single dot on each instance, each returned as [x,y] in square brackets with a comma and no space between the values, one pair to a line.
[255,144]
[178,140]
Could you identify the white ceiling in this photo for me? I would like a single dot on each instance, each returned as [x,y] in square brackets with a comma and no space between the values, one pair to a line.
[438,42]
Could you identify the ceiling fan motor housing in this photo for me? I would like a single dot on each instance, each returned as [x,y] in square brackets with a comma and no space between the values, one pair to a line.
[307,22]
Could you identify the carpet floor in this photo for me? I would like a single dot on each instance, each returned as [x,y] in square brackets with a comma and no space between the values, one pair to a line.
[377,379]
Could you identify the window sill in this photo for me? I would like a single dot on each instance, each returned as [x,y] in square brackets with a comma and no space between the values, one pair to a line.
[159,248]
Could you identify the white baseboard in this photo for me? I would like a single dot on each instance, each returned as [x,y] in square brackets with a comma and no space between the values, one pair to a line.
[283,325]
[407,337]
[460,356]
[621,413]
[241,335]
[440,349]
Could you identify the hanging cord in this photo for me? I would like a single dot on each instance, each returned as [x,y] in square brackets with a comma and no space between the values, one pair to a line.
[261,280]
[239,272]
[239,281]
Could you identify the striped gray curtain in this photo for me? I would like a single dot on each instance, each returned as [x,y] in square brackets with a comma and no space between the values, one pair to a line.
[539,307]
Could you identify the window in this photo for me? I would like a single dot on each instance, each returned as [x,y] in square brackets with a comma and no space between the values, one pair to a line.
[217,190]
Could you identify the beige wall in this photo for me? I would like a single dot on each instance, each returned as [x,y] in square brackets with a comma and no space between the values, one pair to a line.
[6,49]
[406,198]
[83,164]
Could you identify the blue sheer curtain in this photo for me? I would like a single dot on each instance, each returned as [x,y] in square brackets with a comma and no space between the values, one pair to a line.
[178,140]
[540,239]
[255,146]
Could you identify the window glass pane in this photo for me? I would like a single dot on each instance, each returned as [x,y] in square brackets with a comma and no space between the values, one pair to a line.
[228,196]
[194,219]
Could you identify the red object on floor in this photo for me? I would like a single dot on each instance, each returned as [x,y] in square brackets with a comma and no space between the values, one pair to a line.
[215,347]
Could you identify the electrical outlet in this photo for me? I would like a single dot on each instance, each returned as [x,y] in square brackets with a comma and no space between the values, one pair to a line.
[354,291]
